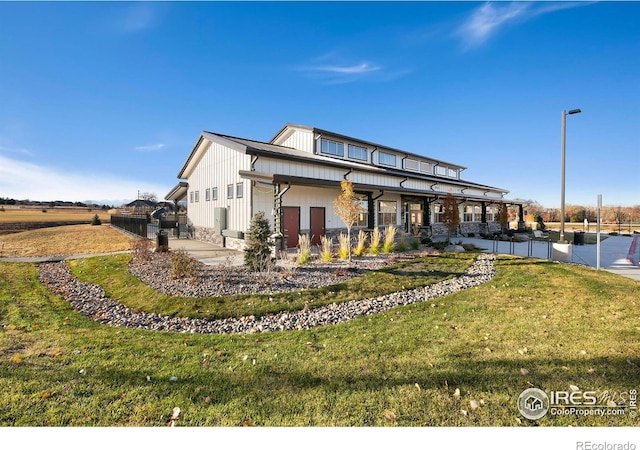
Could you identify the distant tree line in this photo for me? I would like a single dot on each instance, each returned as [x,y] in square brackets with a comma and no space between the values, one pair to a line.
[577,213]
[51,204]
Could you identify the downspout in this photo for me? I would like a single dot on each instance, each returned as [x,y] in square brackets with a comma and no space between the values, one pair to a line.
[405,179]
[372,152]
[346,174]
[254,159]
[278,210]
[373,203]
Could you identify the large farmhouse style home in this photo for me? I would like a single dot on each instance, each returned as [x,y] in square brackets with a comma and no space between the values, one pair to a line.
[295,177]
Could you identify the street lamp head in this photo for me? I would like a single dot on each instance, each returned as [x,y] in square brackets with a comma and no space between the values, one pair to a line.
[574,111]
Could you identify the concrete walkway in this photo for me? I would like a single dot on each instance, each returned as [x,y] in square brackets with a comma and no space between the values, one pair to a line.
[207,253]
[613,253]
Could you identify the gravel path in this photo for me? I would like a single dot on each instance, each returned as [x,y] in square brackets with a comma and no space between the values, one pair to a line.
[91,301]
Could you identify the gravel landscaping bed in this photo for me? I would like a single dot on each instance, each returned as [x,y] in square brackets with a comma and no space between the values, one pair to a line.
[226,279]
[91,301]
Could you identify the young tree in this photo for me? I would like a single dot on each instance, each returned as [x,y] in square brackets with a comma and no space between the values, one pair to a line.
[503,216]
[451,214]
[257,253]
[347,206]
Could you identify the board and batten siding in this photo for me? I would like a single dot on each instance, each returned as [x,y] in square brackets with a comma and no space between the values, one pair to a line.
[299,139]
[219,167]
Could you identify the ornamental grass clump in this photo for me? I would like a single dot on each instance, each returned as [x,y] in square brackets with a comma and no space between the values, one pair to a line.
[389,239]
[304,250]
[326,252]
[360,245]
[402,243]
[374,245]
[343,246]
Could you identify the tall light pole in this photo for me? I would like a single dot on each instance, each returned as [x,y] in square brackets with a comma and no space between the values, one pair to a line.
[563,132]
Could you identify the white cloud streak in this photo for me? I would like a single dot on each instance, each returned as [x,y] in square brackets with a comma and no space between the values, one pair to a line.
[488,19]
[25,180]
[150,148]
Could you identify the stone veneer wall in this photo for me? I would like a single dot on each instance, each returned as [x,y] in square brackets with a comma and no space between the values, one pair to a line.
[207,235]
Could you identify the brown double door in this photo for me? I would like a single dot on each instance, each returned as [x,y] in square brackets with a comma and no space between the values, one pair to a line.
[291,222]
[317,224]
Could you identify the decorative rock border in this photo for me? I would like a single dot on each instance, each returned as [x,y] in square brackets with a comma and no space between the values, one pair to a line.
[91,301]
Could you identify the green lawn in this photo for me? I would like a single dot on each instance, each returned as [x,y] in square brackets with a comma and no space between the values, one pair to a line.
[565,325]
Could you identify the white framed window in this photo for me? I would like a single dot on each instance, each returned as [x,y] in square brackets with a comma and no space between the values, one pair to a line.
[359,153]
[425,167]
[491,213]
[214,193]
[387,159]
[239,189]
[438,212]
[229,190]
[191,197]
[387,213]
[363,216]
[440,170]
[468,214]
[411,164]
[332,147]
[207,194]
[197,196]
[452,173]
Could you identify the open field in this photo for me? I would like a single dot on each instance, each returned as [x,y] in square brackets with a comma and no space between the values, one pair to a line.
[66,240]
[460,360]
[13,214]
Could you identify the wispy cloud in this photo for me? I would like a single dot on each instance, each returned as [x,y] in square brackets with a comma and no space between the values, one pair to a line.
[150,148]
[333,68]
[488,19]
[21,151]
[25,180]
[137,17]
[339,73]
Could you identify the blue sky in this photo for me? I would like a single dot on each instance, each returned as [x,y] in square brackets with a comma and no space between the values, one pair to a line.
[101,99]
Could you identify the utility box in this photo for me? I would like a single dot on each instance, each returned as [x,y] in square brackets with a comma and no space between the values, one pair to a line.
[219,220]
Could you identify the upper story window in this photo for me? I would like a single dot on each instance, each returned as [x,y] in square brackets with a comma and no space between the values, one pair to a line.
[387,159]
[426,167]
[411,164]
[214,193]
[207,195]
[356,152]
[229,190]
[332,148]
[197,196]
[441,170]
[191,197]
[453,173]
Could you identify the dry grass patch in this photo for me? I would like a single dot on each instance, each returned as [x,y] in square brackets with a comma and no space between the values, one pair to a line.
[11,215]
[66,240]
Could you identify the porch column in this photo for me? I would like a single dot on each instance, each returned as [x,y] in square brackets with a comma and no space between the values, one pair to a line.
[521,226]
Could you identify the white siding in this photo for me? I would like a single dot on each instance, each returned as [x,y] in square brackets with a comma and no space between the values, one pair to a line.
[219,167]
[300,139]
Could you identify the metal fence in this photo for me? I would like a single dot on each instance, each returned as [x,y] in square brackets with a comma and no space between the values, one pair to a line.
[144,227]
[542,249]
[133,224]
